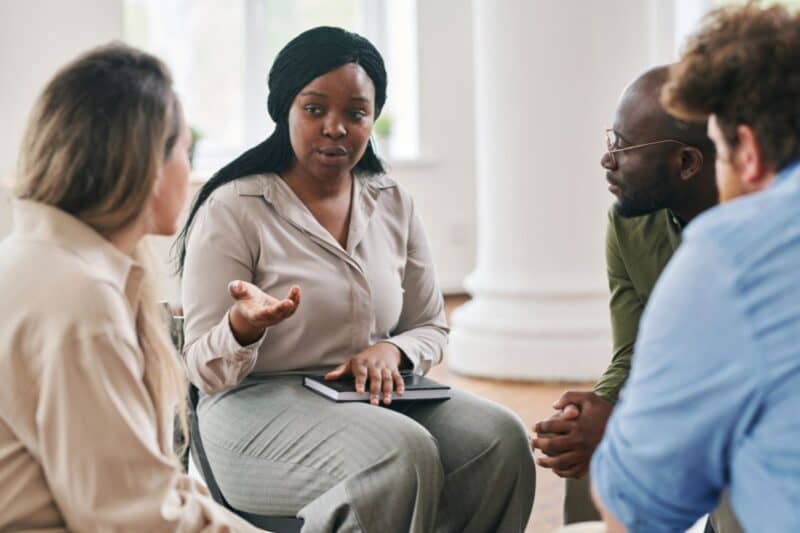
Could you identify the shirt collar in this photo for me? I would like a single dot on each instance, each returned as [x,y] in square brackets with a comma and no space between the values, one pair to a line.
[675,221]
[788,170]
[102,260]
[278,193]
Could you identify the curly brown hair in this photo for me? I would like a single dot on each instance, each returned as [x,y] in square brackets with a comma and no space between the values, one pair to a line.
[743,66]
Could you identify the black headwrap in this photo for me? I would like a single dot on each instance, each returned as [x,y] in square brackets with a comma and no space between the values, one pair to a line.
[306,57]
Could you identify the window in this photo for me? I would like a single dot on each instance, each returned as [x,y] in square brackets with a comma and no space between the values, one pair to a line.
[791,4]
[220,53]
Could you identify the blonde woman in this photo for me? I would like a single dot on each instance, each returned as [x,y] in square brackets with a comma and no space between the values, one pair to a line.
[89,382]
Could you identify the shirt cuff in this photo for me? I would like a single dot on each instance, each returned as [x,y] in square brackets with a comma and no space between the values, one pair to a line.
[608,392]
[621,493]
[407,347]
[237,351]
[607,486]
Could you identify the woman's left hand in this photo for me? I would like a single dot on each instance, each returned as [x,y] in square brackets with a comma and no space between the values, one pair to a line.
[380,364]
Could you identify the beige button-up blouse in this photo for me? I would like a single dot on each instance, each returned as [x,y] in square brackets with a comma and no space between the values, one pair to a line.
[80,448]
[380,288]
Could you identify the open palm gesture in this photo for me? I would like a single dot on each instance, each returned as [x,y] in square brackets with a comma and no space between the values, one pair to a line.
[254,310]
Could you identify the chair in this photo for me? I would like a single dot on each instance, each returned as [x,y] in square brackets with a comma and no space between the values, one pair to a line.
[276,524]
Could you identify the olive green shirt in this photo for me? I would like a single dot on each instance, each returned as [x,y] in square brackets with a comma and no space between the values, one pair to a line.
[637,250]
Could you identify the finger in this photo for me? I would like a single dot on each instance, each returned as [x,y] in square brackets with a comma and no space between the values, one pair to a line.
[556,445]
[399,384]
[570,412]
[275,311]
[294,295]
[374,385]
[286,308]
[237,289]
[360,372]
[561,462]
[575,397]
[555,425]
[279,310]
[538,442]
[338,372]
[577,471]
[387,385]
[243,290]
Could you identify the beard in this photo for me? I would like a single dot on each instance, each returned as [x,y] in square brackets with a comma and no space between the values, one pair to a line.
[646,196]
[636,207]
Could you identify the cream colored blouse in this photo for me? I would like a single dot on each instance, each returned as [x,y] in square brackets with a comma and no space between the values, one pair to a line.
[380,288]
[80,448]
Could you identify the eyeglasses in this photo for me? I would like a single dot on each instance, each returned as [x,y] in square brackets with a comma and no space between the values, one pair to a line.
[612,139]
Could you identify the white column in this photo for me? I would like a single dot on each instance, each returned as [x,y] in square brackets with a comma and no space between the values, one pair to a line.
[547,79]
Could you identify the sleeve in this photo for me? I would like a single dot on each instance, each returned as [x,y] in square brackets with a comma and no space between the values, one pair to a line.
[626,310]
[421,332]
[663,460]
[98,438]
[217,253]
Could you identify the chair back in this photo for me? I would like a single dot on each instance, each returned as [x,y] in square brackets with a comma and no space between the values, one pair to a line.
[276,524]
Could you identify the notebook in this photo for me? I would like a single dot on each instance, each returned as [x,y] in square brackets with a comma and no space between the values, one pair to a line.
[344,390]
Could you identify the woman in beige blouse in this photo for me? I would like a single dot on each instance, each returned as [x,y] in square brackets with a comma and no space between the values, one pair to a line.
[307,216]
[89,381]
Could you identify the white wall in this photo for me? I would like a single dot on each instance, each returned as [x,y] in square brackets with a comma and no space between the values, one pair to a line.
[39,36]
[36,38]
[443,185]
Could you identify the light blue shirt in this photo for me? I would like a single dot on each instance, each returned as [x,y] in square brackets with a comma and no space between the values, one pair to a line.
[713,399]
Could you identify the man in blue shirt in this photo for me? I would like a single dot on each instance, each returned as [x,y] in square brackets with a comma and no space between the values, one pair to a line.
[713,397]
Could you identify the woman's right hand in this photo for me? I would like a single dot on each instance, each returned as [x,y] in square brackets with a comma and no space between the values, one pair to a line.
[254,310]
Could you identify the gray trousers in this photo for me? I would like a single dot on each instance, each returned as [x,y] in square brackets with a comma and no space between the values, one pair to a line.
[462,465]
[578,507]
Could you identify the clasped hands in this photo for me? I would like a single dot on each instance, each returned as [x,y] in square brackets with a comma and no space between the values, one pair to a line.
[253,311]
[568,439]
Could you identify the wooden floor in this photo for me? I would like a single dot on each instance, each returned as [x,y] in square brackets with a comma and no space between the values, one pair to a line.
[532,402]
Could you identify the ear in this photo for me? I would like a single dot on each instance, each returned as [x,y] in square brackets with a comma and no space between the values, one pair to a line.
[158,181]
[749,160]
[691,162]
[151,206]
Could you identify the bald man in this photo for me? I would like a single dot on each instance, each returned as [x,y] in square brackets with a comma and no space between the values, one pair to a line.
[661,171]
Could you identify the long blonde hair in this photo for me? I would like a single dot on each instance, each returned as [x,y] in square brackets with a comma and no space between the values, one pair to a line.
[95,141]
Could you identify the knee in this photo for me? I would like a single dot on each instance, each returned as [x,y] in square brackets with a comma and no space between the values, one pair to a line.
[412,466]
[514,431]
[505,433]
[418,449]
